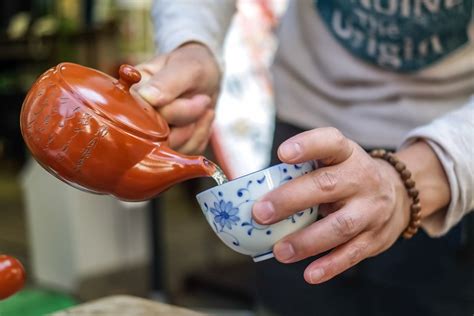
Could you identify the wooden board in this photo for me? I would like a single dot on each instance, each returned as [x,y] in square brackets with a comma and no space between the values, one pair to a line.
[126,305]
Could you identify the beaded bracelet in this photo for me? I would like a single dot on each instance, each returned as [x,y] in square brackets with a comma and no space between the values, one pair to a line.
[405,174]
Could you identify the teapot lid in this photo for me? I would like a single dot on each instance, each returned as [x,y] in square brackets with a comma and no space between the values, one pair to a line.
[112,99]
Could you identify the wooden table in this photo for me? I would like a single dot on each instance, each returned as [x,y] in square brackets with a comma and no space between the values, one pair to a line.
[126,305]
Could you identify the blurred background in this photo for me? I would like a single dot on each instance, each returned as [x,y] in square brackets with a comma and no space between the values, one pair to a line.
[78,247]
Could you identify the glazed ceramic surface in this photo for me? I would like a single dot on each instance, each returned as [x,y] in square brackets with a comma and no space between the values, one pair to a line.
[12,276]
[91,131]
[228,209]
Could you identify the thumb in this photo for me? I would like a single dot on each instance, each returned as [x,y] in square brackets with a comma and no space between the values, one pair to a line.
[167,84]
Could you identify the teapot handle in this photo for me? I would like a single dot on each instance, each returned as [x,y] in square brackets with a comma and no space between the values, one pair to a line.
[128,76]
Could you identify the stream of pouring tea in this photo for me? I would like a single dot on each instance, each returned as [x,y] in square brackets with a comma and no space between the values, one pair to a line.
[219,176]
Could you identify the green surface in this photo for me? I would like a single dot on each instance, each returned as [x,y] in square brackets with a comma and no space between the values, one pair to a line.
[30,302]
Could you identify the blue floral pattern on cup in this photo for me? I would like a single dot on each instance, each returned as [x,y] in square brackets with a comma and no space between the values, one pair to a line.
[225,214]
[228,209]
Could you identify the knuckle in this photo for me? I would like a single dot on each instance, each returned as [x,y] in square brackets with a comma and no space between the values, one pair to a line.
[304,247]
[356,253]
[202,147]
[383,241]
[344,226]
[164,96]
[375,176]
[382,208]
[385,214]
[196,68]
[145,72]
[338,137]
[325,181]
[211,113]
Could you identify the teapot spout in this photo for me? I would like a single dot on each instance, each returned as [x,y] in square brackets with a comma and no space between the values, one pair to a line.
[158,171]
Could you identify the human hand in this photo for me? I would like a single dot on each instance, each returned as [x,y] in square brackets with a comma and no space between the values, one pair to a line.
[363,201]
[183,86]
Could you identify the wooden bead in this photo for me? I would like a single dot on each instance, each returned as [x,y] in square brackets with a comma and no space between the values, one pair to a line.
[410,183]
[416,200]
[415,223]
[377,153]
[416,216]
[407,235]
[412,230]
[392,160]
[413,192]
[400,166]
[405,174]
[415,207]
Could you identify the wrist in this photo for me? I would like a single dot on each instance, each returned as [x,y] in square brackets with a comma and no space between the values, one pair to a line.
[428,173]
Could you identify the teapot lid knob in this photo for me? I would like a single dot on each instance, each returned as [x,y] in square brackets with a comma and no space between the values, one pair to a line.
[128,75]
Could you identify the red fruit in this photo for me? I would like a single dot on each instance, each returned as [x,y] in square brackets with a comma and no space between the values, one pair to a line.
[12,276]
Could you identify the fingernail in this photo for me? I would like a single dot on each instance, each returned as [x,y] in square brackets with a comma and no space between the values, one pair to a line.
[150,93]
[263,211]
[290,150]
[316,275]
[284,251]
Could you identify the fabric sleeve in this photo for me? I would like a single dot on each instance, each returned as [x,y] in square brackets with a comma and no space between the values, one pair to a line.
[179,21]
[452,139]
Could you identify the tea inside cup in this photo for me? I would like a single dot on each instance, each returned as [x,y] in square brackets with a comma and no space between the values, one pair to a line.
[228,209]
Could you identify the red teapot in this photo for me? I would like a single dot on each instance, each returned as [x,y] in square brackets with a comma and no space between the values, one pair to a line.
[93,132]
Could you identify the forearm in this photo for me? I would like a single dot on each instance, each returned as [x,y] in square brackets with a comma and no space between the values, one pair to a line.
[450,138]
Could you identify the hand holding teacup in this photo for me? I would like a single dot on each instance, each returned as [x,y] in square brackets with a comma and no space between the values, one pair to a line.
[364,202]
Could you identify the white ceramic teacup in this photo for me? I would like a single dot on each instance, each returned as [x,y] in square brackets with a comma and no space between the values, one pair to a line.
[228,209]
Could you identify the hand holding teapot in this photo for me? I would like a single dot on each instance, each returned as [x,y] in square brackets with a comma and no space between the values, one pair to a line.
[93,132]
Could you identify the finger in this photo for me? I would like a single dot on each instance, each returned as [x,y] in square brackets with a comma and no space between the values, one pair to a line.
[200,135]
[180,135]
[338,260]
[184,111]
[324,185]
[149,68]
[172,80]
[203,146]
[154,65]
[325,144]
[323,235]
